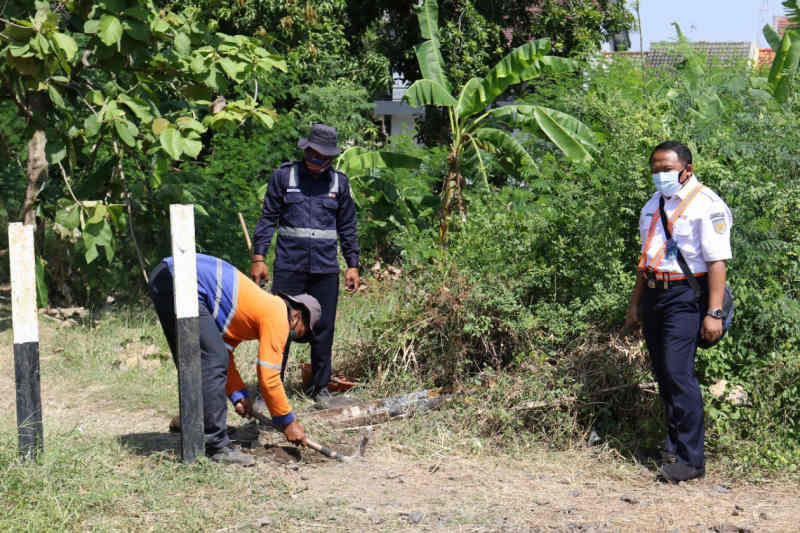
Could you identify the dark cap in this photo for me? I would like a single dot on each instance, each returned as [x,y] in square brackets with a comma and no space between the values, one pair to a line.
[310,308]
[324,139]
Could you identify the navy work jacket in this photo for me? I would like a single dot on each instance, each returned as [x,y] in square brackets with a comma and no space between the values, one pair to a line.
[311,214]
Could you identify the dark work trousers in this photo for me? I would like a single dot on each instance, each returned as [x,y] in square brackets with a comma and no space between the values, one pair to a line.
[212,351]
[672,319]
[325,288]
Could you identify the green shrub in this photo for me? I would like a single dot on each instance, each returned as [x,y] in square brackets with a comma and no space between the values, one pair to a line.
[537,279]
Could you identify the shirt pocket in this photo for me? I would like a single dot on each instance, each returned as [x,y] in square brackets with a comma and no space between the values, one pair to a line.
[295,210]
[328,212]
[683,233]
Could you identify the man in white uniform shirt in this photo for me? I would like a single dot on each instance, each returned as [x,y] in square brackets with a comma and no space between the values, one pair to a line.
[672,313]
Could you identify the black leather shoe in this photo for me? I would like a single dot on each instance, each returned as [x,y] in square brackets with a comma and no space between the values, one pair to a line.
[677,472]
[322,400]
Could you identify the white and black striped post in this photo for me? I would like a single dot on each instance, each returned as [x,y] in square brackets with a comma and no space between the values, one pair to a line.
[188,332]
[26,340]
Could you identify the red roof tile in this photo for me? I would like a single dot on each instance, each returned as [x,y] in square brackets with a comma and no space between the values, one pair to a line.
[765,56]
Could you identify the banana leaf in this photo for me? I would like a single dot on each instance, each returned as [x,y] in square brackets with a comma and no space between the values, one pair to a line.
[355,161]
[789,70]
[504,145]
[781,54]
[429,54]
[772,37]
[572,136]
[428,92]
[522,64]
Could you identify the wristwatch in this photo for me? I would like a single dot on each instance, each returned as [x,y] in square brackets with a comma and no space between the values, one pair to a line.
[716,313]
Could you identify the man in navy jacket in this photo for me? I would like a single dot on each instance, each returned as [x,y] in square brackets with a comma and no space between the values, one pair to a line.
[309,204]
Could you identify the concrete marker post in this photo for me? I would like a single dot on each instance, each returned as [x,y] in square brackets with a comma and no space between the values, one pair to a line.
[26,340]
[190,383]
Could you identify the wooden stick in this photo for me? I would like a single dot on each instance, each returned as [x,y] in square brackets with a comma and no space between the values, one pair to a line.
[244,230]
[188,331]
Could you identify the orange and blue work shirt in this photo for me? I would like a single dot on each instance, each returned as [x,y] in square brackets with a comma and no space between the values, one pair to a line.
[242,312]
[701,228]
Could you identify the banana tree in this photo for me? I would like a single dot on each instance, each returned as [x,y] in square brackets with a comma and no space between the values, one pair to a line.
[787,55]
[477,129]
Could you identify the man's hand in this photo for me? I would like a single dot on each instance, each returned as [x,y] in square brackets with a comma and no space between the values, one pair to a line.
[631,320]
[712,328]
[258,270]
[295,434]
[352,280]
[244,407]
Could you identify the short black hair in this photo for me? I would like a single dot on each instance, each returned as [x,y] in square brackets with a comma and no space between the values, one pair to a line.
[680,149]
[306,316]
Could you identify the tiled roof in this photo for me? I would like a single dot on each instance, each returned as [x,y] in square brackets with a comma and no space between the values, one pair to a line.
[636,57]
[765,56]
[665,54]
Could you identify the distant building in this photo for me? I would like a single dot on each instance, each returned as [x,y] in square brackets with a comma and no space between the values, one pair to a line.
[781,24]
[765,56]
[666,53]
[398,117]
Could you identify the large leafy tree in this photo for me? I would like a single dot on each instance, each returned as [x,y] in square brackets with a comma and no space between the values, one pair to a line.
[477,129]
[112,85]
[491,28]
[319,43]
[576,28]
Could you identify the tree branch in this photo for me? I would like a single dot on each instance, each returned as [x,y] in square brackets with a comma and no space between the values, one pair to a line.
[25,110]
[130,211]
[69,188]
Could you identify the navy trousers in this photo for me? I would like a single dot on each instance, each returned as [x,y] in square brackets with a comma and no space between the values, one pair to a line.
[325,288]
[672,318]
[213,353]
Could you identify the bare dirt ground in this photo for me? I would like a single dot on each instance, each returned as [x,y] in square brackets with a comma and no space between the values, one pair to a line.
[398,488]
[401,484]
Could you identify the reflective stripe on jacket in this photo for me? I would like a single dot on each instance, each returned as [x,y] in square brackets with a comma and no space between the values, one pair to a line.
[311,214]
[242,311]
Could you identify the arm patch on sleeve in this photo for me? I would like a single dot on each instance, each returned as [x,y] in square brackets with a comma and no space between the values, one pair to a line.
[719,222]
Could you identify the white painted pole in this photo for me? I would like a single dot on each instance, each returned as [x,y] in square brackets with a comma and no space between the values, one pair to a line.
[26,339]
[188,333]
[184,254]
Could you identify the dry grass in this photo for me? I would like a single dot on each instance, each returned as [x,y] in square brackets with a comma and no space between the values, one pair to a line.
[109,464]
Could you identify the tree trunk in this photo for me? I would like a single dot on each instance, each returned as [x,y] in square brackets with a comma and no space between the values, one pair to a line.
[449,193]
[37,166]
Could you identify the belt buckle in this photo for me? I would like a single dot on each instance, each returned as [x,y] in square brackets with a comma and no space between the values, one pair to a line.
[651,283]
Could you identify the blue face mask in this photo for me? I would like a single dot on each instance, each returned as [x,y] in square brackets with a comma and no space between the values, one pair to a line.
[668,183]
[317,165]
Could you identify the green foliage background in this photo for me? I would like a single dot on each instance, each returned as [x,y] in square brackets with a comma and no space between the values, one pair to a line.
[538,279]
[523,305]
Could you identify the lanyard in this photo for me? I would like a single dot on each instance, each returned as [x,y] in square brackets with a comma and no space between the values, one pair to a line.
[652,230]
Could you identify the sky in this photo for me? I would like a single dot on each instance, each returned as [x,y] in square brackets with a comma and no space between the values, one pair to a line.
[705,20]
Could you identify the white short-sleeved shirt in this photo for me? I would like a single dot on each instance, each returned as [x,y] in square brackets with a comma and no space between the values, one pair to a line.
[702,232]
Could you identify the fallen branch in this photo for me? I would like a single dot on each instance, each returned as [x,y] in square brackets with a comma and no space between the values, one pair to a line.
[378,411]
[641,386]
[564,400]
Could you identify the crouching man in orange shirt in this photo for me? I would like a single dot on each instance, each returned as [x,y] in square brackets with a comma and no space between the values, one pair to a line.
[232,309]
